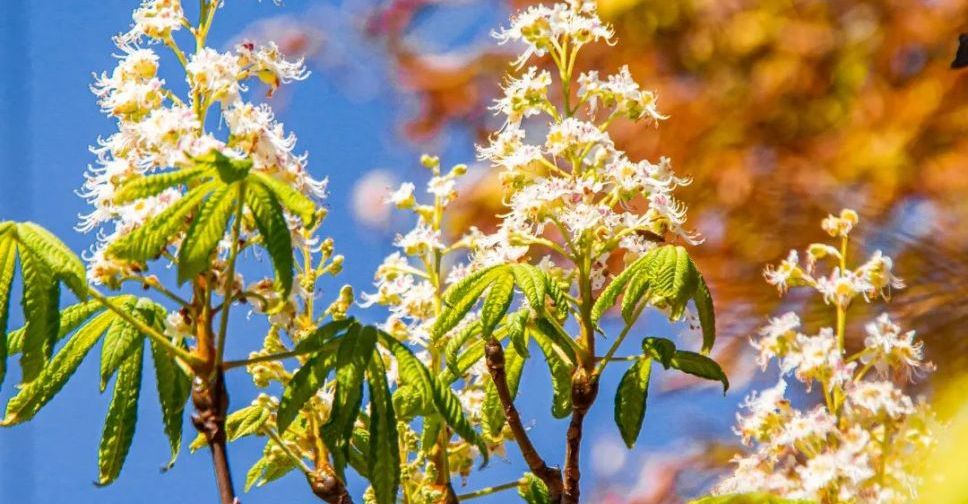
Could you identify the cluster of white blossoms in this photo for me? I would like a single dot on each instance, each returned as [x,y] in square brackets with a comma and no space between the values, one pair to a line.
[410,283]
[159,130]
[866,441]
[566,178]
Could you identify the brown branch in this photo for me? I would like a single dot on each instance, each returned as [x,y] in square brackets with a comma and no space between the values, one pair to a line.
[584,390]
[495,365]
[329,488]
[211,402]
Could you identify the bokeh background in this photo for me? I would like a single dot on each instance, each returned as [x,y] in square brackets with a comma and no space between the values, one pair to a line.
[780,110]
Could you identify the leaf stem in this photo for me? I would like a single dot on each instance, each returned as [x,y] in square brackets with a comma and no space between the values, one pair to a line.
[230,279]
[488,490]
[618,341]
[232,364]
[179,352]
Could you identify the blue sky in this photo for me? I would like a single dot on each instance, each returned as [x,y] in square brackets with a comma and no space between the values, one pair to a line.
[48,118]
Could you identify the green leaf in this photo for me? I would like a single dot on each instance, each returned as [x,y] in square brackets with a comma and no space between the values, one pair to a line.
[460,289]
[247,421]
[271,222]
[384,451]
[229,169]
[355,351]
[414,373]
[70,319]
[608,296]
[41,300]
[455,370]
[492,409]
[147,241]
[748,498]
[562,343]
[675,279]
[531,281]
[303,385]
[707,315]
[560,375]
[409,403]
[638,285]
[630,398]
[272,466]
[154,184]
[516,325]
[206,231]
[292,200]
[458,309]
[8,264]
[174,388]
[699,365]
[322,337]
[121,341]
[59,259]
[34,395]
[496,303]
[456,342]
[533,490]
[660,349]
[120,422]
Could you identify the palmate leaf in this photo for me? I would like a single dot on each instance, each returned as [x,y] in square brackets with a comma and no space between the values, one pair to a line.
[174,388]
[147,241]
[206,231]
[699,365]
[8,264]
[34,395]
[292,200]
[664,277]
[533,491]
[70,319]
[273,465]
[154,184]
[41,299]
[247,421]
[531,281]
[121,341]
[271,223]
[630,399]
[352,359]
[121,419]
[323,336]
[496,303]
[383,452]
[303,385]
[461,300]
[560,370]
[413,373]
[457,342]
[660,349]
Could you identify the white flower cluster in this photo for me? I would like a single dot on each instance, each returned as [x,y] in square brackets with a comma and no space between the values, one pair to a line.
[158,130]
[574,181]
[864,443]
[410,283]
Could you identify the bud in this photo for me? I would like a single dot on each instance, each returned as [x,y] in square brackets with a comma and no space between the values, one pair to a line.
[430,162]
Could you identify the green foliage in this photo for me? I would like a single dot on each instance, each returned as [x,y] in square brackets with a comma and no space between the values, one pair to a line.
[413,373]
[533,491]
[630,398]
[664,277]
[699,365]
[560,369]
[174,388]
[271,223]
[496,303]
[383,453]
[206,231]
[154,184]
[35,394]
[121,419]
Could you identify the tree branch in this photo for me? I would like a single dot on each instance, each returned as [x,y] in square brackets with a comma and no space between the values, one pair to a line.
[551,477]
[211,401]
[584,390]
[329,488]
